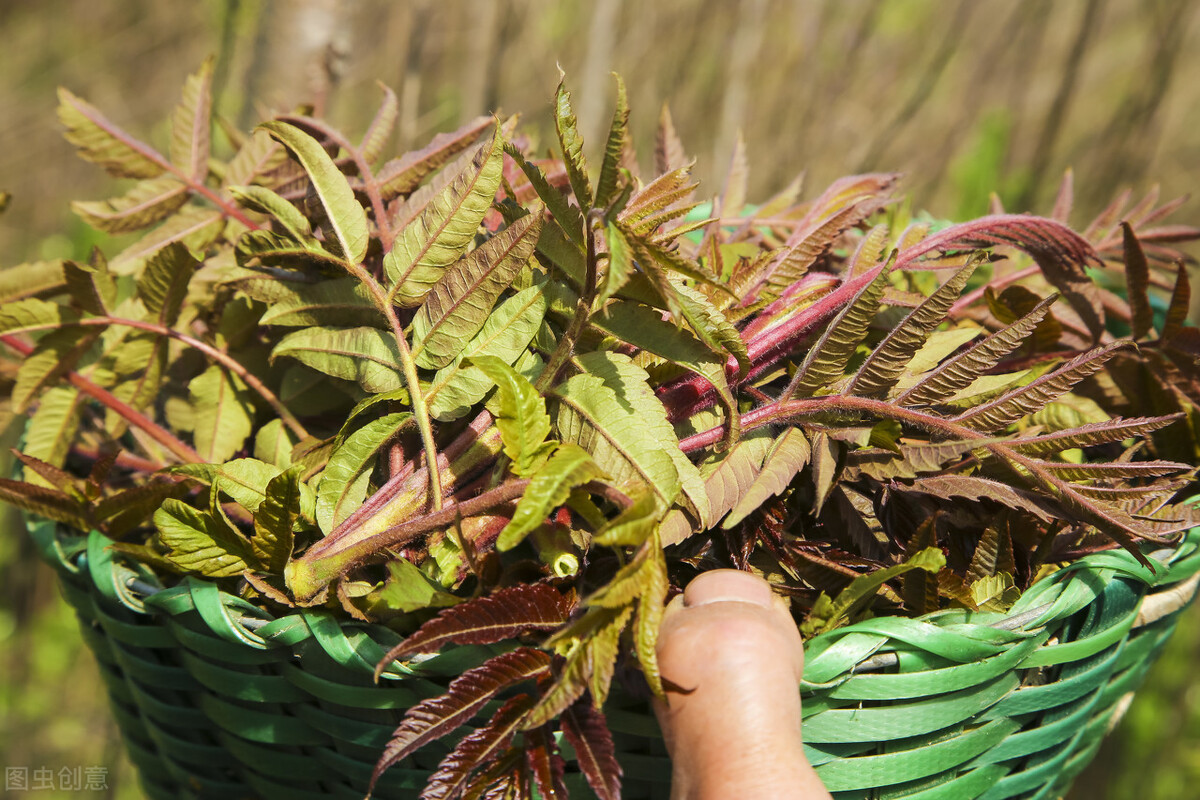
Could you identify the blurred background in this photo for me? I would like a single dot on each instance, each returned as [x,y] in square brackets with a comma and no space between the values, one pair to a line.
[964,97]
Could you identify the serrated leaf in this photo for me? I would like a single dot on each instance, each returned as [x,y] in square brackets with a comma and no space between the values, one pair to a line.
[264,201]
[789,454]
[1180,304]
[258,154]
[436,239]
[146,203]
[789,266]
[163,285]
[191,124]
[275,520]
[367,356]
[336,302]
[611,412]
[860,591]
[591,659]
[202,543]
[477,750]
[669,153]
[975,489]
[347,235]
[568,467]
[619,266]
[1061,254]
[45,502]
[52,426]
[713,328]
[273,444]
[568,217]
[380,129]
[1113,471]
[101,142]
[506,335]
[993,553]
[344,482]
[1137,280]
[195,227]
[828,356]
[500,616]
[586,729]
[91,287]
[887,362]
[967,366]
[1091,434]
[571,142]
[244,479]
[56,354]
[1026,399]
[224,413]
[31,279]
[663,200]
[523,421]
[614,147]
[403,175]
[461,301]
[464,698]
[32,314]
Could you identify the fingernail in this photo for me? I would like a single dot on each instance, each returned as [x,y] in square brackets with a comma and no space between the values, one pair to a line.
[728,585]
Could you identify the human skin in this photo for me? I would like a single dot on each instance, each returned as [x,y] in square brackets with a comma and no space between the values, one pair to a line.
[732,657]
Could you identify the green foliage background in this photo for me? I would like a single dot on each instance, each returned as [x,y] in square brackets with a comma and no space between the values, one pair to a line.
[964,97]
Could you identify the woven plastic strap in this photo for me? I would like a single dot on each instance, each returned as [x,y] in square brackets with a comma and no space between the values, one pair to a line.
[216,699]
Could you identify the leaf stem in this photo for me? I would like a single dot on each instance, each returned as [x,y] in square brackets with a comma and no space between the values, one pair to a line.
[131,415]
[220,356]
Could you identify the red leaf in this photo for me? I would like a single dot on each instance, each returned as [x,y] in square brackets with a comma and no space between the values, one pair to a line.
[587,731]
[545,764]
[466,695]
[502,615]
[476,750]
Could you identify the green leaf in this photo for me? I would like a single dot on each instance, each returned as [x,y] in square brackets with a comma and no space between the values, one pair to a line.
[367,356]
[258,154]
[273,443]
[55,355]
[611,412]
[788,455]
[437,238]
[163,285]
[566,216]
[337,302]
[887,362]
[32,314]
[265,201]
[614,148]
[860,591]
[620,264]
[828,356]
[92,288]
[571,142]
[523,421]
[196,227]
[644,328]
[347,235]
[380,129]
[461,301]
[275,520]
[591,658]
[666,198]
[101,142]
[224,413]
[31,279]
[201,543]
[344,482]
[455,389]
[191,124]
[243,479]
[568,467]
[269,249]
[146,203]
[713,328]
[407,589]
[961,370]
[53,426]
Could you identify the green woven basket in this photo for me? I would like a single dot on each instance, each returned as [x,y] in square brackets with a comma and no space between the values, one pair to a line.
[215,700]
